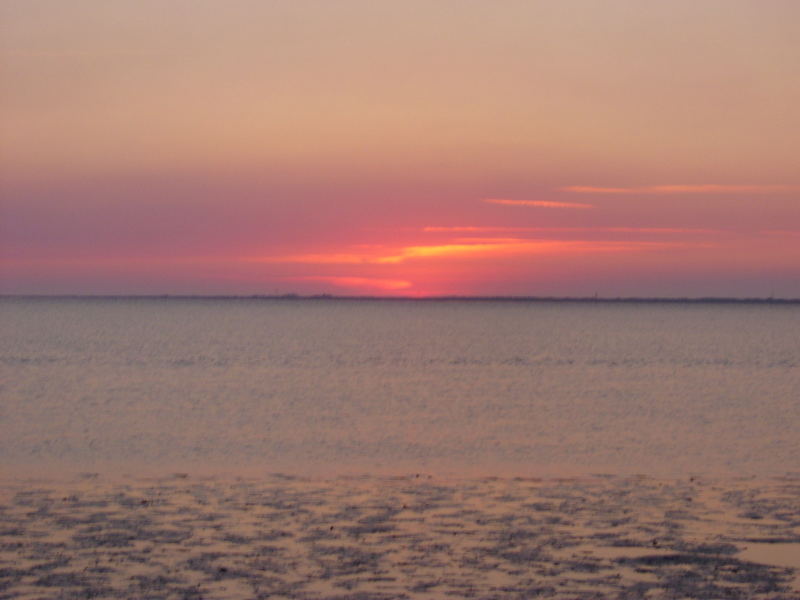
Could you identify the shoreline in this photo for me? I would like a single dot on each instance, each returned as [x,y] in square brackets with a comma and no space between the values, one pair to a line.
[442,470]
[432,299]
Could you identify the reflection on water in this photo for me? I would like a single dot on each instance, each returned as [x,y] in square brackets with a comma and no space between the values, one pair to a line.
[459,387]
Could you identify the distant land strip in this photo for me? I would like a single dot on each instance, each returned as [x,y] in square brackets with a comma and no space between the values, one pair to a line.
[400,298]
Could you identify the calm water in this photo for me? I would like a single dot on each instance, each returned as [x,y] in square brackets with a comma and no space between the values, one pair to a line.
[347,386]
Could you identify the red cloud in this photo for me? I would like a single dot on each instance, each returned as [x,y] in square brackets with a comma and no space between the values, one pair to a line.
[709,188]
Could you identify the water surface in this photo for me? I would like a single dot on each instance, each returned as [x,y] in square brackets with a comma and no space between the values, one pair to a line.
[390,386]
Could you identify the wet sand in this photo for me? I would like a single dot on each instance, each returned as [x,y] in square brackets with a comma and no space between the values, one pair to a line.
[414,536]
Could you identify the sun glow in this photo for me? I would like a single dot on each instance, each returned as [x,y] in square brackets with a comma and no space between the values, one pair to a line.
[373,283]
[460,255]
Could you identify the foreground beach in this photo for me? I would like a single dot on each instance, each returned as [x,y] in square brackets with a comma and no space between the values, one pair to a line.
[414,536]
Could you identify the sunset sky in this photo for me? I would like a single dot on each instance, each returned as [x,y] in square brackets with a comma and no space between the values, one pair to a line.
[513,147]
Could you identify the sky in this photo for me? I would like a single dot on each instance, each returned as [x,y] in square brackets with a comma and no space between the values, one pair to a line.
[416,148]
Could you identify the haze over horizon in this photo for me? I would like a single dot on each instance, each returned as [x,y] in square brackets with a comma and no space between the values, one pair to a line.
[524,148]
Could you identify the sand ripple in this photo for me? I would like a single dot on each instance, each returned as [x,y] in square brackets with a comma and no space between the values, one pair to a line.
[403,537]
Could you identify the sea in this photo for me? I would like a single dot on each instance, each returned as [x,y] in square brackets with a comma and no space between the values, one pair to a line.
[357,386]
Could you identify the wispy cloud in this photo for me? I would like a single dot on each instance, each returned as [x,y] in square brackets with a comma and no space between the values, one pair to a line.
[710,188]
[463,248]
[508,247]
[482,229]
[537,203]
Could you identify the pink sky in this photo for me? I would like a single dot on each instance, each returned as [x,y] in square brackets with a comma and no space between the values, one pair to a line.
[621,147]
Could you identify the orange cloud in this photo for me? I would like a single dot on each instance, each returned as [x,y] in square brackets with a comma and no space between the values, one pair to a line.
[684,189]
[359,282]
[478,229]
[477,248]
[537,203]
[514,247]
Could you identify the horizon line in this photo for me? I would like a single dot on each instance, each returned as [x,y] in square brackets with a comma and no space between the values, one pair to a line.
[438,298]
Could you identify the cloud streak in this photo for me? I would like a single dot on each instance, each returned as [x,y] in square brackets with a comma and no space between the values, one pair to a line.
[537,203]
[463,248]
[483,229]
[710,188]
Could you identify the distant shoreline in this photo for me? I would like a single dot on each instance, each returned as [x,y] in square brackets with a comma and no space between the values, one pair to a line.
[317,297]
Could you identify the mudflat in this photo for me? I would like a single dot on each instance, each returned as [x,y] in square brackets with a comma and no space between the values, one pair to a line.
[411,536]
